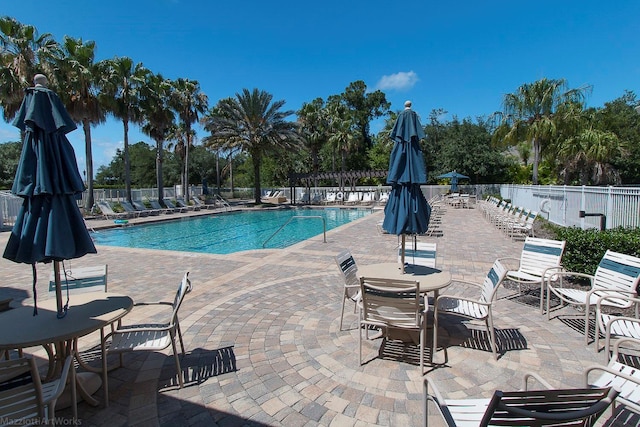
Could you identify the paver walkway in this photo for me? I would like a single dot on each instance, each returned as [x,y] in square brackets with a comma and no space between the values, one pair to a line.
[261,330]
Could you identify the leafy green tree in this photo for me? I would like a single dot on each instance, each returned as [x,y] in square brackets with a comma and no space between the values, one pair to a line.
[342,137]
[256,124]
[78,76]
[121,81]
[365,107]
[9,157]
[188,101]
[530,114]
[157,119]
[23,53]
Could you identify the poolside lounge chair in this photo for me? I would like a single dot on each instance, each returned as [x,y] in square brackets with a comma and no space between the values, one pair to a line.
[183,204]
[202,205]
[557,407]
[142,208]
[330,198]
[156,205]
[617,275]
[277,197]
[128,207]
[156,336]
[473,308]
[169,204]
[109,213]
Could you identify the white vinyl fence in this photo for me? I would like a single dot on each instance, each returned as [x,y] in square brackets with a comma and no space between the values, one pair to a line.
[619,206]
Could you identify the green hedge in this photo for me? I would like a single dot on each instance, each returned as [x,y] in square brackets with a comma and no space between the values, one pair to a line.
[585,248]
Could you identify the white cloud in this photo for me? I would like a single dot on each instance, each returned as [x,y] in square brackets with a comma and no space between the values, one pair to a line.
[398,81]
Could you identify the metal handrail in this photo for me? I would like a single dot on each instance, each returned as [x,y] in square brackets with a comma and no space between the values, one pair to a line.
[324,227]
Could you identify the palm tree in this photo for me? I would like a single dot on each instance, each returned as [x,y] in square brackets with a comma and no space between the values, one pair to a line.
[314,127]
[157,118]
[342,136]
[530,114]
[187,100]
[78,77]
[255,124]
[589,153]
[121,85]
[23,53]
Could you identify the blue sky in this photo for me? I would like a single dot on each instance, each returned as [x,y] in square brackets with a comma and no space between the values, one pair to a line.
[460,56]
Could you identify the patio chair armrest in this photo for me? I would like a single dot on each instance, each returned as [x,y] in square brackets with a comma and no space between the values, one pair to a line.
[602,368]
[632,298]
[616,347]
[465,282]
[533,376]
[61,382]
[569,273]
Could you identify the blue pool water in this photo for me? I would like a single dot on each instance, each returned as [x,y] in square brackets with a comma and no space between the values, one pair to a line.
[230,232]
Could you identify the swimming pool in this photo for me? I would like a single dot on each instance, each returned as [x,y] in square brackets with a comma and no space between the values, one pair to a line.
[229,232]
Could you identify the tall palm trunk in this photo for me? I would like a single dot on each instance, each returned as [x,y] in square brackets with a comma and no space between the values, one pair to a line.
[186,168]
[86,127]
[159,159]
[127,161]
[536,160]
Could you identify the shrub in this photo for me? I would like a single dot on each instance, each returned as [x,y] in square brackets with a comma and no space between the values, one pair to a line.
[585,248]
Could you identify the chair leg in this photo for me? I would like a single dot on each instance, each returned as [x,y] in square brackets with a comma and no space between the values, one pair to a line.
[492,335]
[360,341]
[342,312]
[542,296]
[176,356]
[434,345]
[180,335]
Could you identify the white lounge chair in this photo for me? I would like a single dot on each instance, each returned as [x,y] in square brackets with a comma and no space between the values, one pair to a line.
[109,213]
[142,208]
[617,275]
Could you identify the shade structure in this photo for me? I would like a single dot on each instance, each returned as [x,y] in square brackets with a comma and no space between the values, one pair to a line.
[407,210]
[454,176]
[49,226]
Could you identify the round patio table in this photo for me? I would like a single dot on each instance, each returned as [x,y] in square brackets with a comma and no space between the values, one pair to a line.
[88,312]
[429,279]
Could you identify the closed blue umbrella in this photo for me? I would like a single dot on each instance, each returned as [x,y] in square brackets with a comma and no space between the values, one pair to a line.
[407,211]
[49,226]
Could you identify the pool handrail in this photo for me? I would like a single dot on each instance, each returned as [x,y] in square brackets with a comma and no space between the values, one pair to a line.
[324,227]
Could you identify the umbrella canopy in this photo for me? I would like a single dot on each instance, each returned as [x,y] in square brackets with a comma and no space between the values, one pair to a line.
[49,226]
[454,176]
[406,211]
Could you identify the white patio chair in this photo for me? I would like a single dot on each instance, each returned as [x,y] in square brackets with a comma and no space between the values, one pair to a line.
[349,270]
[523,228]
[552,407]
[153,336]
[109,213]
[393,304]
[622,377]
[614,326]
[617,275]
[24,400]
[419,253]
[472,308]
[539,260]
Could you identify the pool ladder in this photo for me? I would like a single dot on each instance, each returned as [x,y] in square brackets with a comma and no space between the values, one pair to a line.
[324,227]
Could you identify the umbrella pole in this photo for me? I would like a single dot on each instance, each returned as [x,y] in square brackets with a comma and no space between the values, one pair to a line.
[402,256]
[56,273]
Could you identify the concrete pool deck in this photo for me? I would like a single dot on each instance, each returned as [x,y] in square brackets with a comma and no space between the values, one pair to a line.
[261,330]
